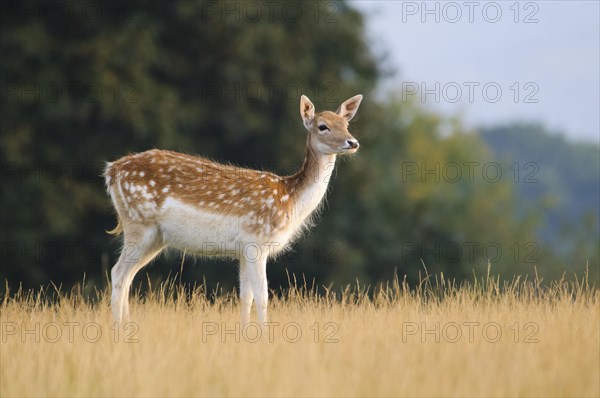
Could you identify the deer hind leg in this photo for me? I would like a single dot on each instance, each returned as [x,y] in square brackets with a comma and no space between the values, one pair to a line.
[257,275]
[140,246]
[246,294]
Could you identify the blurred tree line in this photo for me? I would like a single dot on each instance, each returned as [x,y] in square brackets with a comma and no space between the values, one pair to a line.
[564,178]
[86,83]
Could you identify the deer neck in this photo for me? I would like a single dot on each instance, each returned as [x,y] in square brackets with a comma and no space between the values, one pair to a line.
[309,185]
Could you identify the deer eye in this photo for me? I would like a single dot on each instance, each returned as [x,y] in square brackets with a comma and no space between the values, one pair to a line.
[323,127]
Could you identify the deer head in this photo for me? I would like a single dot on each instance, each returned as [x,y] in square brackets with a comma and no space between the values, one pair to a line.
[328,131]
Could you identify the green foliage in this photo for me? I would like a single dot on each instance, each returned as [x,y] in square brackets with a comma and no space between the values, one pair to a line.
[78,91]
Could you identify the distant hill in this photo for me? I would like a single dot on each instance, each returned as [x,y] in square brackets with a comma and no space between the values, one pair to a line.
[561,176]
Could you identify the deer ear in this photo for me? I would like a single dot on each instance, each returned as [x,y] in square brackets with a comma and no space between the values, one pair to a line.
[307,111]
[348,109]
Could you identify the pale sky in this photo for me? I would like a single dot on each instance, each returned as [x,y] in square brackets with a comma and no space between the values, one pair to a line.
[476,48]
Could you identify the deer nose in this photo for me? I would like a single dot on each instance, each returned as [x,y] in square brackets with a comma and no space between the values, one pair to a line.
[352,143]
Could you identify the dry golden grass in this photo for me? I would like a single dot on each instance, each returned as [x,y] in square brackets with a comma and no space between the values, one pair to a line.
[366,345]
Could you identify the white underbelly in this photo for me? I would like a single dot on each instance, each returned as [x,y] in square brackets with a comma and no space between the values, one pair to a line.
[195,230]
[210,233]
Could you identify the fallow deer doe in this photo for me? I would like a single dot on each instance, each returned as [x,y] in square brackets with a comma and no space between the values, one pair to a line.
[169,199]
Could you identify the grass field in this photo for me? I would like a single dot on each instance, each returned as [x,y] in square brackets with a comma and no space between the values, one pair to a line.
[484,338]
